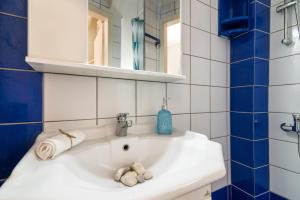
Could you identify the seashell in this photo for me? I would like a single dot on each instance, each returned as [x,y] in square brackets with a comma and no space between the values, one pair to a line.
[129,179]
[121,172]
[138,168]
[147,175]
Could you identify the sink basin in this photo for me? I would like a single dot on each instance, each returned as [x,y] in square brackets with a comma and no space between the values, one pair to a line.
[180,163]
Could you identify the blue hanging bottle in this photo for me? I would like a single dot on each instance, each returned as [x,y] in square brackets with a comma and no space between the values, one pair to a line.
[164,120]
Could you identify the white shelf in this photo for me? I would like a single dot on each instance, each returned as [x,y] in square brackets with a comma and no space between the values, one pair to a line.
[63,67]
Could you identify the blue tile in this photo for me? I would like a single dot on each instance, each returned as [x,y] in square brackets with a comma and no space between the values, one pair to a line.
[221,194]
[262,45]
[242,151]
[274,196]
[242,73]
[15,142]
[261,153]
[242,47]
[242,177]
[260,17]
[21,96]
[1,183]
[237,194]
[241,99]
[263,196]
[260,99]
[261,76]
[261,126]
[261,180]
[241,125]
[13,42]
[266,2]
[15,7]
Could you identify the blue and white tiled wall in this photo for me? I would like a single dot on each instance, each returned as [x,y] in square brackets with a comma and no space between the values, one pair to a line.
[284,98]
[249,107]
[20,88]
[199,103]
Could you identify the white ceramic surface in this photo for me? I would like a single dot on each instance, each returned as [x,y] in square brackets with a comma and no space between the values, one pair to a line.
[180,163]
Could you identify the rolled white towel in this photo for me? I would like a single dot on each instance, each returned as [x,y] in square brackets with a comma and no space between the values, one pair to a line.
[53,146]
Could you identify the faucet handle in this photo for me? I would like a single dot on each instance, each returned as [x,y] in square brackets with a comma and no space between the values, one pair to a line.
[122,116]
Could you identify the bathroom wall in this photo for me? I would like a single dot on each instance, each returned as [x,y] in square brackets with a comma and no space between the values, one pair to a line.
[198,103]
[20,88]
[249,107]
[284,97]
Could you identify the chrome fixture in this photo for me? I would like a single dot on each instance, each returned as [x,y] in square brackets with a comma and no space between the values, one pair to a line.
[122,124]
[293,128]
[286,9]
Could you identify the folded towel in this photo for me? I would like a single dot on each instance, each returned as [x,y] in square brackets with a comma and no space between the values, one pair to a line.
[53,146]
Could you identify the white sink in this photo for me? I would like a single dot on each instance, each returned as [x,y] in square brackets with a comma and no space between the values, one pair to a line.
[179,163]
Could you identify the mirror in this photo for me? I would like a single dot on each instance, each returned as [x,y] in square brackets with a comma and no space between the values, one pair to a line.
[135,34]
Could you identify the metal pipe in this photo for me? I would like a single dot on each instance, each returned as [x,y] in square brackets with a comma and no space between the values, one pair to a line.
[286,5]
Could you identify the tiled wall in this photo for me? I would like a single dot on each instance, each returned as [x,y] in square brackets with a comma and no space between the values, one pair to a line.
[284,100]
[20,88]
[198,103]
[249,107]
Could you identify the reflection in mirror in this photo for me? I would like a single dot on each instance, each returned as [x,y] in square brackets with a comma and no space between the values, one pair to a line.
[162,21]
[135,34]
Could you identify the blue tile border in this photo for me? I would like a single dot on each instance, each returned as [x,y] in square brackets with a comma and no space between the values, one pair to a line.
[221,194]
[16,140]
[21,96]
[13,43]
[15,7]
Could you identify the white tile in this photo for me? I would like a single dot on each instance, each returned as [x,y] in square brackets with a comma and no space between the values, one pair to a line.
[69,97]
[200,99]
[199,15]
[228,75]
[201,43]
[178,98]
[147,120]
[150,65]
[218,74]
[229,172]
[218,99]
[185,39]
[150,97]
[279,50]
[223,141]
[284,98]
[284,155]
[221,182]
[186,11]
[186,68]
[228,99]
[201,123]
[206,1]
[69,125]
[115,96]
[275,120]
[215,4]
[214,21]
[218,48]
[150,50]
[284,183]
[285,70]
[200,71]
[181,123]
[116,50]
[218,125]
[228,148]
[274,2]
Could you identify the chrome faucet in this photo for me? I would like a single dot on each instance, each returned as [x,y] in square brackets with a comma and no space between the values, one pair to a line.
[295,128]
[122,124]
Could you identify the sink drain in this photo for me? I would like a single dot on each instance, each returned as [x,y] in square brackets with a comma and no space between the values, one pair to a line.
[126,147]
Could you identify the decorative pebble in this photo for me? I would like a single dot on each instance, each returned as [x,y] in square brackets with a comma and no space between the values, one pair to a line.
[140,179]
[129,179]
[138,168]
[121,172]
[147,175]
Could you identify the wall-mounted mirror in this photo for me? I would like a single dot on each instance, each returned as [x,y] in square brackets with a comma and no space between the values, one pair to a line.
[135,34]
[132,39]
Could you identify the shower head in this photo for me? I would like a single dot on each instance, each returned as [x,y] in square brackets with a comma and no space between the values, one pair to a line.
[287,42]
